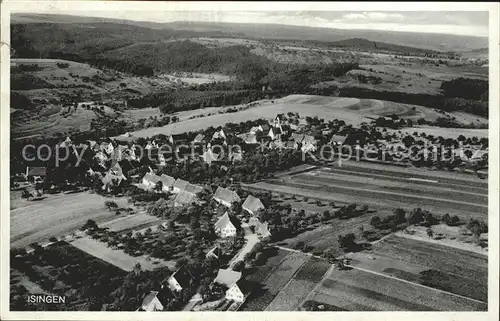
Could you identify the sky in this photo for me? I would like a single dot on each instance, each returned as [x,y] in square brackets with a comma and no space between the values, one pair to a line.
[473,23]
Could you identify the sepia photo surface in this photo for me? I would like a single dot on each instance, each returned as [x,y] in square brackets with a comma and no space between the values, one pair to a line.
[189,159]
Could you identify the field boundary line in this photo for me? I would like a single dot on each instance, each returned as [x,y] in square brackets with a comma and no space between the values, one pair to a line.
[417,284]
[317,286]
[399,194]
[288,282]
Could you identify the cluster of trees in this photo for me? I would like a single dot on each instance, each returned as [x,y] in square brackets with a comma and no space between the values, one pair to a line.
[466,88]
[87,282]
[447,122]
[27,82]
[442,102]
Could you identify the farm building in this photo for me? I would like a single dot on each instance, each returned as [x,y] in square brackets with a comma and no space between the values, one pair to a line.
[184,198]
[219,135]
[227,277]
[151,145]
[337,140]
[249,138]
[308,144]
[209,156]
[226,197]
[150,180]
[256,129]
[181,279]
[261,229]
[151,302]
[252,205]
[107,148]
[238,291]
[179,185]
[36,174]
[199,138]
[225,227]
[110,180]
[275,133]
[167,181]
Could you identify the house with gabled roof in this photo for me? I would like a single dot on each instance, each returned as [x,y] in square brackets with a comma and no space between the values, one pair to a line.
[209,156]
[275,133]
[199,138]
[225,226]
[167,182]
[66,143]
[256,129]
[150,180]
[107,148]
[184,198]
[35,174]
[226,196]
[219,134]
[249,138]
[180,280]
[179,185]
[308,144]
[227,277]
[111,180]
[337,140]
[151,303]
[252,205]
[238,291]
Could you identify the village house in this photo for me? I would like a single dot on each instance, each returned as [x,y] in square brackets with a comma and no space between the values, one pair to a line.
[275,133]
[150,180]
[308,144]
[260,228]
[209,156]
[256,129]
[151,303]
[238,291]
[179,185]
[337,140]
[252,205]
[180,280]
[107,148]
[219,135]
[167,182]
[237,287]
[184,198]
[200,138]
[65,144]
[225,227]
[227,277]
[279,120]
[249,138]
[226,197]
[111,180]
[35,174]
[151,145]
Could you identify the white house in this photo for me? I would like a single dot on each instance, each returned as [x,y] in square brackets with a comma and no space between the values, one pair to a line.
[150,180]
[151,302]
[219,134]
[252,205]
[168,182]
[224,227]
[226,197]
[237,291]
[179,185]
[181,279]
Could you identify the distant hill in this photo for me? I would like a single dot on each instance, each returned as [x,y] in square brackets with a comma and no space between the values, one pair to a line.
[439,42]
[365,44]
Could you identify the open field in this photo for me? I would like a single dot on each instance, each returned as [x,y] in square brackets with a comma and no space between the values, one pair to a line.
[358,290]
[388,187]
[37,221]
[129,222]
[273,276]
[351,110]
[448,236]
[445,132]
[454,270]
[117,257]
[291,296]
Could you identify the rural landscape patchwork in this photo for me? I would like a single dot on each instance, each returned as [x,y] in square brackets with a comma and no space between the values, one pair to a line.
[216,166]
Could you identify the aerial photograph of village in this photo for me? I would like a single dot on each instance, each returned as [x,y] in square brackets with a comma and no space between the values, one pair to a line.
[180,163]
